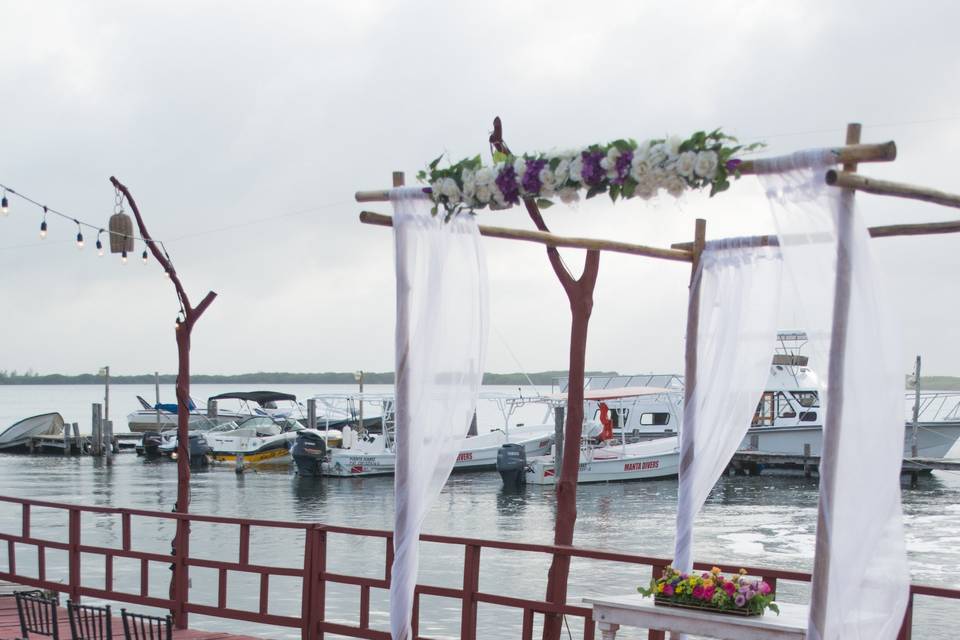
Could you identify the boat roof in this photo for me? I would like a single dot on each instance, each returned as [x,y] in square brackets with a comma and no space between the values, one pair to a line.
[616,393]
[259,397]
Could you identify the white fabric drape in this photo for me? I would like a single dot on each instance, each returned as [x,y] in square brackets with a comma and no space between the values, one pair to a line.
[736,337]
[860,584]
[441,337]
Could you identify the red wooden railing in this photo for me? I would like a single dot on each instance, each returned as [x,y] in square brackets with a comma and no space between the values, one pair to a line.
[314,574]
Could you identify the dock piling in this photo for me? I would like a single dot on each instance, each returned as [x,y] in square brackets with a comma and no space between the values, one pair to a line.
[96,430]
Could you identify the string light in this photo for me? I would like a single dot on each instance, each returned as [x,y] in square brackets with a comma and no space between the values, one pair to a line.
[144,256]
[99,244]
[79,236]
[43,225]
[123,257]
[4,204]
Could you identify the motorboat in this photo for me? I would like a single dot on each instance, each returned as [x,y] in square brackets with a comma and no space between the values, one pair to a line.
[310,449]
[367,454]
[645,460]
[257,439]
[270,404]
[19,433]
[160,417]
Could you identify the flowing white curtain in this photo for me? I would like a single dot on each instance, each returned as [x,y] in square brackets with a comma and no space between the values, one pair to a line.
[736,337]
[441,337]
[860,584]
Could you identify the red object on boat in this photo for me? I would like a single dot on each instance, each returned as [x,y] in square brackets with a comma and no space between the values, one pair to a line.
[607,433]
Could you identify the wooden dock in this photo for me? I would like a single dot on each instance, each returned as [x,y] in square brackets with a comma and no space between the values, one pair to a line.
[10,622]
[751,461]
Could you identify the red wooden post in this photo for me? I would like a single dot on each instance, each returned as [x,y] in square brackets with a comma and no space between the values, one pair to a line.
[580,294]
[906,629]
[179,584]
[74,554]
[471,584]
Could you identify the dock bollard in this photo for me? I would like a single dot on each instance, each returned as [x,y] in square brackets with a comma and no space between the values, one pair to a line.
[239,467]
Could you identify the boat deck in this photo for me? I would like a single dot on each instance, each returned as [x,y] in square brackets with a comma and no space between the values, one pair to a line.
[10,622]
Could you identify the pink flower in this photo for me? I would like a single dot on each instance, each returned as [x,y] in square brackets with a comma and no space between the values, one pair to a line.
[668,590]
[764,588]
[729,587]
[698,592]
[708,593]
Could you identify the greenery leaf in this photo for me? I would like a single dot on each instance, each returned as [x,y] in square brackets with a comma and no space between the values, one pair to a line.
[543,203]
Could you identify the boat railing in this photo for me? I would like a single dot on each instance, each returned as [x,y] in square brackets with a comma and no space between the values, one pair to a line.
[28,547]
[935,406]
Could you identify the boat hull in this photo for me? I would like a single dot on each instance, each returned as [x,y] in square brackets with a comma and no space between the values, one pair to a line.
[610,465]
[934,439]
[19,433]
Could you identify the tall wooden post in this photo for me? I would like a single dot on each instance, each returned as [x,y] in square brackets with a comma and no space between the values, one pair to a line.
[914,445]
[580,295]
[832,423]
[179,585]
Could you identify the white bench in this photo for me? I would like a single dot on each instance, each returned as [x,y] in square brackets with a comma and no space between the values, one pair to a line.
[612,612]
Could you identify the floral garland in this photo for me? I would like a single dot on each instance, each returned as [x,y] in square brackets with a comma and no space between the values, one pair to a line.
[712,591]
[621,169]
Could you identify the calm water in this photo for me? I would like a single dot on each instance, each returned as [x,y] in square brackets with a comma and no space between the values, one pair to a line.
[754,521]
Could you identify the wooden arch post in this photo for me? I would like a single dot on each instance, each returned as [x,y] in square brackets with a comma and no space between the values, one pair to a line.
[180,581]
[580,295]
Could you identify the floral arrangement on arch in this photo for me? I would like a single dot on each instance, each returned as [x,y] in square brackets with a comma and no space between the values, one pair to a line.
[621,169]
[712,590]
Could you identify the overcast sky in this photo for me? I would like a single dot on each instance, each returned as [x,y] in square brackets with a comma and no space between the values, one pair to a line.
[243,129]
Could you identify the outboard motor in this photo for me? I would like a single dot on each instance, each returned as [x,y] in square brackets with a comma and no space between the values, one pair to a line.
[512,464]
[149,445]
[200,451]
[308,453]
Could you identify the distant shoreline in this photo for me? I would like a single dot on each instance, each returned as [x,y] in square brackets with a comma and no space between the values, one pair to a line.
[538,378]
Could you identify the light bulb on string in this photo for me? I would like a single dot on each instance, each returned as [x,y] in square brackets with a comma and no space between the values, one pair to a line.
[99,244]
[144,256]
[4,204]
[43,225]
[79,236]
[123,257]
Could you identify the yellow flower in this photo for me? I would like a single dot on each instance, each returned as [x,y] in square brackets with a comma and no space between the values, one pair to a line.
[692,580]
[660,588]
[743,572]
[708,583]
[715,570]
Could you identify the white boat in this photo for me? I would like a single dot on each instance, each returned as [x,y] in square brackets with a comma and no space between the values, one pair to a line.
[258,439]
[162,417]
[645,460]
[373,453]
[19,433]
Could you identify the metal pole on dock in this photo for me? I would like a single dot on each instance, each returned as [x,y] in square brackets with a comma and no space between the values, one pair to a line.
[107,435]
[558,440]
[312,413]
[914,449]
[156,388]
[106,392]
[358,376]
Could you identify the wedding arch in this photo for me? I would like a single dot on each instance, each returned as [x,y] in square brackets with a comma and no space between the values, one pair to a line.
[859,579]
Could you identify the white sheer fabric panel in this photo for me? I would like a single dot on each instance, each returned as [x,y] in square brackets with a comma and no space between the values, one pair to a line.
[441,338]
[736,337]
[866,579]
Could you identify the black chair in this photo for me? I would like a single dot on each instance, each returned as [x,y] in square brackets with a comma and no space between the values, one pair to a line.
[137,626]
[88,622]
[38,614]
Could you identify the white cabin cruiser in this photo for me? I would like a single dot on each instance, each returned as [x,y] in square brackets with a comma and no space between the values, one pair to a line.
[258,439]
[163,416]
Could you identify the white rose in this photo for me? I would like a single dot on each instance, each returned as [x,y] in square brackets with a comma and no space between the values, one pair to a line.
[548,182]
[675,186]
[576,169]
[609,163]
[657,154]
[685,163]
[484,193]
[706,165]
[639,167]
[437,188]
[450,189]
[646,187]
[569,195]
[562,172]
[485,176]
[519,167]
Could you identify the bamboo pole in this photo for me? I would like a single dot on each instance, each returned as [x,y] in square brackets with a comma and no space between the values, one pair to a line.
[551,240]
[833,422]
[888,188]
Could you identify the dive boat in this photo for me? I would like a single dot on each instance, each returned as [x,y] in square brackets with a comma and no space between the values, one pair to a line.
[19,433]
[644,460]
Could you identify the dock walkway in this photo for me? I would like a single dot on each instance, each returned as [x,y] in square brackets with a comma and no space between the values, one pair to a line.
[10,624]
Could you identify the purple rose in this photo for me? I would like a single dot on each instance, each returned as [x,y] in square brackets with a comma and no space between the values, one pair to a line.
[531,176]
[740,600]
[507,183]
[624,161]
[592,173]
[732,164]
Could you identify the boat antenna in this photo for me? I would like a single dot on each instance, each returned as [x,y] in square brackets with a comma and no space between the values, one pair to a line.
[515,359]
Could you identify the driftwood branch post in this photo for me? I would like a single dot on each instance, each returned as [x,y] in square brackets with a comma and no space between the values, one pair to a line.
[180,581]
[580,295]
